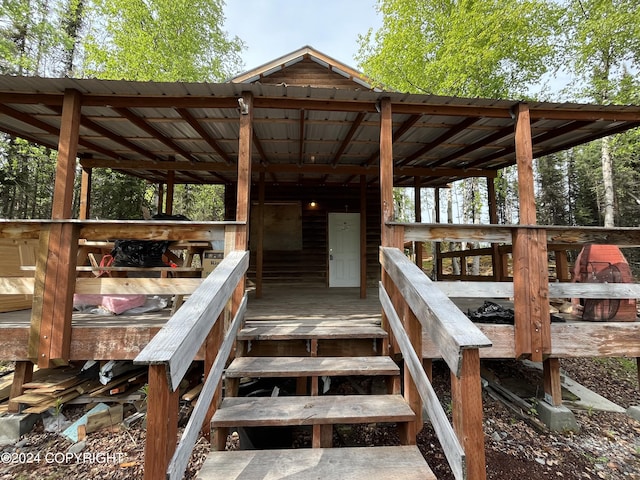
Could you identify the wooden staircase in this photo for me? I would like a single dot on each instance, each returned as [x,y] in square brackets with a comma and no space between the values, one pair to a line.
[307,351]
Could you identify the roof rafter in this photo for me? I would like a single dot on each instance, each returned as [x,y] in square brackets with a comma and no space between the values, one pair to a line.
[195,124]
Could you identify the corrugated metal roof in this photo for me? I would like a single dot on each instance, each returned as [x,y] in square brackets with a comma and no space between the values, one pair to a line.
[299,130]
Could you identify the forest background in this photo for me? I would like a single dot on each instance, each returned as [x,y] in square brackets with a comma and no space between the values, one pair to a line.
[550,50]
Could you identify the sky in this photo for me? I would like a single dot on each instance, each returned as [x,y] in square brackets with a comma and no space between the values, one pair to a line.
[273,28]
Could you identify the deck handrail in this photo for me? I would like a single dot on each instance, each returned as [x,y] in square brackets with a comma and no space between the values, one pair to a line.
[557,235]
[449,328]
[177,342]
[179,461]
[122,229]
[455,289]
[170,354]
[444,431]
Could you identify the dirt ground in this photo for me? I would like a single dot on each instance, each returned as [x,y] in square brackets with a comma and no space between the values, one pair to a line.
[607,446]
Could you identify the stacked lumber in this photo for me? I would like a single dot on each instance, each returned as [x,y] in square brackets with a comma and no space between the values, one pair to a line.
[60,388]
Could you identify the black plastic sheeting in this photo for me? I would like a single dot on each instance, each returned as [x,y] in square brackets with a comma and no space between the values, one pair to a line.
[491,312]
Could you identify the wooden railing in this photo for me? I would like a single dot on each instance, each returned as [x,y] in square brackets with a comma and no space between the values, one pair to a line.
[59,244]
[531,288]
[411,302]
[201,320]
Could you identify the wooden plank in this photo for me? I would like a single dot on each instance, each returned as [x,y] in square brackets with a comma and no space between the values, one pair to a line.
[558,237]
[176,343]
[292,332]
[144,286]
[595,339]
[107,418]
[17,286]
[444,431]
[556,290]
[449,328]
[310,366]
[353,463]
[501,336]
[308,410]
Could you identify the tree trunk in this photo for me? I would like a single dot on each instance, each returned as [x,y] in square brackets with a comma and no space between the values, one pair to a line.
[607,181]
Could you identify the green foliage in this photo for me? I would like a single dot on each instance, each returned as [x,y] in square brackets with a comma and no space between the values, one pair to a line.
[27,175]
[117,196]
[464,48]
[602,42]
[161,40]
[200,202]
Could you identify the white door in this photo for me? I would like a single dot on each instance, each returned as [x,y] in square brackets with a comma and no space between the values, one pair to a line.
[344,249]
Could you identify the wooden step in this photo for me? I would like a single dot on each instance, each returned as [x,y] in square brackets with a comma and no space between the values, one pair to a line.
[296,330]
[311,410]
[255,367]
[353,463]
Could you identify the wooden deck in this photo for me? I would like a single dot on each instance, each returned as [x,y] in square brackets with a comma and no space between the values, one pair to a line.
[122,337]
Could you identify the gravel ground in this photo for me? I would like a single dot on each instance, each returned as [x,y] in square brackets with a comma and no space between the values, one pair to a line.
[607,446]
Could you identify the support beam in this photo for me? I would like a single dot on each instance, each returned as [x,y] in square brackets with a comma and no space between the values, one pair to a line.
[162,423]
[466,397]
[552,383]
[496,258]
[50,331]
[363,236]
[168,207]
[417,200]
[386,171]
[524,160]
[85,194]
[243,200]
[260,237]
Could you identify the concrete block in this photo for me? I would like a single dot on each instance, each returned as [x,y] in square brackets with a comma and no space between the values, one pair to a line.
[558,419]
[634,412]
[13,426]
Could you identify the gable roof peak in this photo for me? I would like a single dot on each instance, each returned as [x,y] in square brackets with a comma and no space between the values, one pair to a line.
[307,52]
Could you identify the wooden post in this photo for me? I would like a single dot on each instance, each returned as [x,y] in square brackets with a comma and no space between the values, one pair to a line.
[212,346]
[496,260]
[160,205]
[244,171]
[85,193]
[260,239]
[417,200]
[414,331]
[530,276]
[562,266]
[466,397]
[171,177]
[363,236]
[531,294]
[552,384]
[22,374]
[437,260]
[386,171]
[162,423]
[524,160]
[50,331]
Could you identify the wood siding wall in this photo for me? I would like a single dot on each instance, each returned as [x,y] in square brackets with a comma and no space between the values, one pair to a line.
[309,265]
